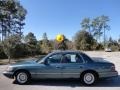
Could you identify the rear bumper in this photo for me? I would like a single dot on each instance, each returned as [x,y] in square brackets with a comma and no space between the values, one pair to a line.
[108,74]
[8,74]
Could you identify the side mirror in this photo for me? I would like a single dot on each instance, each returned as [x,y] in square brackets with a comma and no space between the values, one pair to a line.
[46,62]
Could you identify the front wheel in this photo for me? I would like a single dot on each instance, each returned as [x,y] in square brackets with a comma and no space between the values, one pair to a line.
[88,78]
[22,77]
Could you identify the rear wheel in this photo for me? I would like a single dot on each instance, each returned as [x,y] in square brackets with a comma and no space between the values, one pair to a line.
[88,78]
[22,77]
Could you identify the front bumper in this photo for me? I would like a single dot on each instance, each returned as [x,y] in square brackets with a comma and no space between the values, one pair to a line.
[108,74]
[8,74]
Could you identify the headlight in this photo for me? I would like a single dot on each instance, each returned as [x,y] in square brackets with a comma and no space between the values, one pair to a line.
[9,68]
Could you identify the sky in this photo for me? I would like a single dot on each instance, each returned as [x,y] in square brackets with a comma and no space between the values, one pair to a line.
[64,16]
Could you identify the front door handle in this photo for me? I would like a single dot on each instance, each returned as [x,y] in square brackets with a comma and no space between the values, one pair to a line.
[58,67]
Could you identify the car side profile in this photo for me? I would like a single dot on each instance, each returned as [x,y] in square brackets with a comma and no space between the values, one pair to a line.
[62,65]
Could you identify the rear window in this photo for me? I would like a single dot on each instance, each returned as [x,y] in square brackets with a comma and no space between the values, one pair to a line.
[86,57]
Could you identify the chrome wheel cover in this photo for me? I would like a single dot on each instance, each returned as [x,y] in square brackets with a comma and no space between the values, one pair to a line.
[89,78]
[22,77]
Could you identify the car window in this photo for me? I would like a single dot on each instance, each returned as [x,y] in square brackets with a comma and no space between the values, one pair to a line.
[72,58]
[86,58]
[56,58]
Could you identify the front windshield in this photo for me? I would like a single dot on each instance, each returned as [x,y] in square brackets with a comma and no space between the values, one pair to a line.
[40,58]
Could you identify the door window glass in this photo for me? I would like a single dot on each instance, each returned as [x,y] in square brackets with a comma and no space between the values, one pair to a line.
[56,58]
[72,58]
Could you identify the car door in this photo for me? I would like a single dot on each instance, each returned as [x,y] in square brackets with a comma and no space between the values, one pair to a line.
[72,64]
[53,67]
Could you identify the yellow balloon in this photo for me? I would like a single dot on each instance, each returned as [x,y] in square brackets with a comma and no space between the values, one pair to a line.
[59,37]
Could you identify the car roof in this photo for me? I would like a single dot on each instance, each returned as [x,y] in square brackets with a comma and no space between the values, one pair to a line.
[66,51]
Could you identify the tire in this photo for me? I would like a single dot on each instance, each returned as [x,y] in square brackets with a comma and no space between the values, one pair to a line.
[88,78]
[22,77]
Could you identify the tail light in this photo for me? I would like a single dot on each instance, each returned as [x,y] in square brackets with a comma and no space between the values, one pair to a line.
[113,68]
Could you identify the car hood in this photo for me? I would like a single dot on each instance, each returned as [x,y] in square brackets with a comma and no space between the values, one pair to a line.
[25,62]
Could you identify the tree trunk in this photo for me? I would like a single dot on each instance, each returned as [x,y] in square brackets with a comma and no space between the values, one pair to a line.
[89,31]
[9,59]
[2,30]
[99,37]
[104,39]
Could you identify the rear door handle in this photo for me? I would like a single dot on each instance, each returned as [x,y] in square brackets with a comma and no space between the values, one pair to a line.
[81,66]
[58,67]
